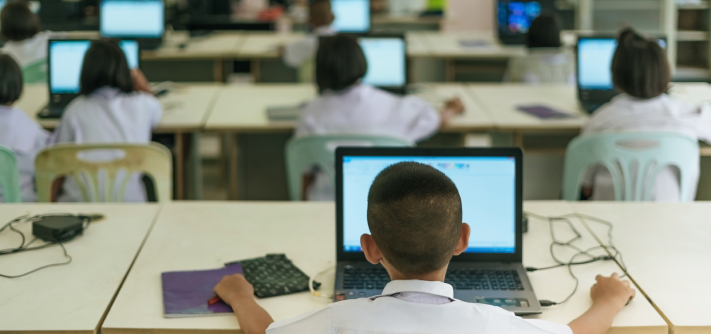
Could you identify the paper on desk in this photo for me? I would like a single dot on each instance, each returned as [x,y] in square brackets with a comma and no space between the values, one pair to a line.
[185,293]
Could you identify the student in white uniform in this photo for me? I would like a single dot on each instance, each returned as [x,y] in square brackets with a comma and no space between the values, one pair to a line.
[115,106]
[547,61]
[321,17]
[25,43]
[346,106]
[18,131]
[415,220]
[640,70]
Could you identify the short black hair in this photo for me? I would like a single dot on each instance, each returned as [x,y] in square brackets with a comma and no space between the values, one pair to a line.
[544,32]
[17,22]
[320,11]
[640,67]
[105,65]
[340,63]
[415,217]
[10,80]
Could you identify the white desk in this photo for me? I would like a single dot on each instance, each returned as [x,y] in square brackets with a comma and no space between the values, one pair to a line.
[261,45]
[666,249]
[179,46]
[73,298]
[474,117]
[556,284]
[190,236]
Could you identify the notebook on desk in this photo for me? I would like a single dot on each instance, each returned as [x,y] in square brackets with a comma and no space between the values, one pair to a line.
[185,293]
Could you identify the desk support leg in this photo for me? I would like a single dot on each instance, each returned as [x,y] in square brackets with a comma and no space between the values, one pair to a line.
[518,139]
[218,70]
[256,69]
[449,70]
[179,163]
[195,167]
[233,170]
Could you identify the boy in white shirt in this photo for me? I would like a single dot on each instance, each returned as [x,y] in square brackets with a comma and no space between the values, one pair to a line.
[641,71]
[320,19]
[415,217]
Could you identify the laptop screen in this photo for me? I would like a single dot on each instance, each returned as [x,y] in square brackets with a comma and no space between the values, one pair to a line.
[487,186]
[66,59]
[352,16]
[132,18]
[514,16]
[386,61]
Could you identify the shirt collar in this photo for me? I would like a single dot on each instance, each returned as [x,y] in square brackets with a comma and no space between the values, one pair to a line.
[433,288]
[107,92]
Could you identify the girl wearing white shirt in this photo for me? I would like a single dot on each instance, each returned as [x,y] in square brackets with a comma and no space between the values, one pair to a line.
[641,71]
[547,61]
[19,132]
[345,106]
[320,19]
[115,106]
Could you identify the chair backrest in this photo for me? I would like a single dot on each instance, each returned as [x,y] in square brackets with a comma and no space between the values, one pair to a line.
[35,72]
[9,176]
[90,163]
[634,160]
[306,152]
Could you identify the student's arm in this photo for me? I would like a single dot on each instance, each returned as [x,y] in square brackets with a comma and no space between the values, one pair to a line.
[140,83]
[609,295]
[239,294]
[451,108]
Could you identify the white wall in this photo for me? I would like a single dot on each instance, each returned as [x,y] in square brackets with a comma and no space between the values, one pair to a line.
[470,15]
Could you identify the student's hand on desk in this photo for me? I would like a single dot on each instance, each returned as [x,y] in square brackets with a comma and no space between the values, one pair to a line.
[452,107]
[140,83]
[234,288]
[612,291]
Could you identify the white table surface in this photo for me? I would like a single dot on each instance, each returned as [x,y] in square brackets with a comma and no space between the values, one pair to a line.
[217,45]
[186,106]
[667,251]
[474,117]
[556,284]
[205,235]
[71,298]
[449,45]
[267,45]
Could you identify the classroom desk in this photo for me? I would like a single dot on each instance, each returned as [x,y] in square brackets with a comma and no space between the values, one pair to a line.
[186,109]
[666,249]
[192,236]
[70,299]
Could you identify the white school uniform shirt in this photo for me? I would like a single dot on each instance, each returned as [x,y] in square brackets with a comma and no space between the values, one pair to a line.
[543,66]
[109,116]
[661,114]
[296,53]
[25,138]
[31,50]
[413,306]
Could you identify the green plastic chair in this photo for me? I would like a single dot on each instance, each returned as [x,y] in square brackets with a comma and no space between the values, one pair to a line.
[9,176]
[639,154]
[68,159]
[304,153]
[35,72]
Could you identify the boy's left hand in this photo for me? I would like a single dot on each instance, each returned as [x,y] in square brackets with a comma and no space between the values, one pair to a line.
[234,288]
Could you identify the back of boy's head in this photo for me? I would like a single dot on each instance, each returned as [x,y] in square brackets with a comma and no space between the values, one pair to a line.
[415,217]
[640,67]
[17,22]
[10,80]
[340,63]
[105,65]
[544,32]
[320,13]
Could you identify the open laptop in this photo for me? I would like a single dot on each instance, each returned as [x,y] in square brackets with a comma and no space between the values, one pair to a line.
[65,60]
[141,20]
[351,16]
[514,17]
[490,185]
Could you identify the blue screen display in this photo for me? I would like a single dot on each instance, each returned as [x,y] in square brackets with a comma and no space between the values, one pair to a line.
[67,57]
[515,17]
[386,61]
[487,186]
[595,63]
[351,15]
[132,18]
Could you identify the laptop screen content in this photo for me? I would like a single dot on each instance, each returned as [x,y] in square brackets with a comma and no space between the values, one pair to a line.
[595,63]
[386,61]
[352,16]
[132,18]
[487,186]
[515,16]
[66,59]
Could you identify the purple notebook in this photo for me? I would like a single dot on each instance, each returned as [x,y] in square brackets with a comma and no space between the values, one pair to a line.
[185,293]
[544,112]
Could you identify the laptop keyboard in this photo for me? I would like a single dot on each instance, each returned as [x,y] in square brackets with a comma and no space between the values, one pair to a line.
[460,279]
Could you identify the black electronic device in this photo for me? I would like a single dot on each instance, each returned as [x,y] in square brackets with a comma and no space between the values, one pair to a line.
[275,275]
[59,228]
[514,17]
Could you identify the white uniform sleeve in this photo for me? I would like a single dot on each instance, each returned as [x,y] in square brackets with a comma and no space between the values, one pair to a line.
[426,120]
[154,107]
[295,54]
[543,326]
[314,322]
[703,130]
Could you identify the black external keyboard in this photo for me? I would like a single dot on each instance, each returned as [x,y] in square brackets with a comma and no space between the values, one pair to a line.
[275,275]
[460,279]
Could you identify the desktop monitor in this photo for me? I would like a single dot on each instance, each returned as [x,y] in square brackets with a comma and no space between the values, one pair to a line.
[132,18]
[352,16]
[514,17]
[386,57]
[66,58]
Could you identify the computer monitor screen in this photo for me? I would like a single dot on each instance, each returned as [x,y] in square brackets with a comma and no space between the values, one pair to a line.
[352,16]
[66,59]
[132,18]
[595,63]
[515,16]
[386,61]
[487,186]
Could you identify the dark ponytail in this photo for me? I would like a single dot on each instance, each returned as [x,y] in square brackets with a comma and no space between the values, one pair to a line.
[640,67]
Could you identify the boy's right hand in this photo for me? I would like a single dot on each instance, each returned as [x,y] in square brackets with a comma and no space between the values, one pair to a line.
[612,291]
[234,288]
